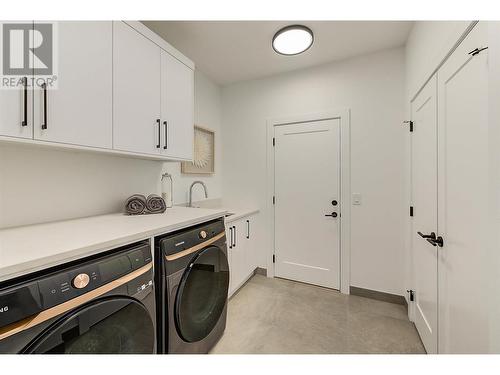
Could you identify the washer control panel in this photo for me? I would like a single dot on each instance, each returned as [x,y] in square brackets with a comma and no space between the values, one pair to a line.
[25,298]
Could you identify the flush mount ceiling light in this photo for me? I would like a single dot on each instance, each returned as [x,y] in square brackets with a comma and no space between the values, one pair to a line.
[293,40]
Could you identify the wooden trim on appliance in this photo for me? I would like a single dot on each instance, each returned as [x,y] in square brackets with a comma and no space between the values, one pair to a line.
[194,248]
[52,312]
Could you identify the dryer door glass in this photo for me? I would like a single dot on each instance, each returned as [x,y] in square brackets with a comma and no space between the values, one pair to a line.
[202,294]
[110,326]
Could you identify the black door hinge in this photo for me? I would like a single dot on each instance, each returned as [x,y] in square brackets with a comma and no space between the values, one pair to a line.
[412,295]
[274,258]
[411,124]
[476,51]
[274,199]
[411,211]
[274,141]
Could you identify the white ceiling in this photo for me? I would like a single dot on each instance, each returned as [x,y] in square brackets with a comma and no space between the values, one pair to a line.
[231,51]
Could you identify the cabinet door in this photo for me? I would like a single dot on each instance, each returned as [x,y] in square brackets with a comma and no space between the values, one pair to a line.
[136,91]
[177,107]
[16,102]
[79,105]
[229,257]
[241,253]
[250,248]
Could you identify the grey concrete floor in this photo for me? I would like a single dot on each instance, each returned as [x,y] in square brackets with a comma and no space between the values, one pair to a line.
[278,316]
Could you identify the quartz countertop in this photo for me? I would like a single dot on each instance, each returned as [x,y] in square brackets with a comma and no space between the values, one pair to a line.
[31,248]
[234,210]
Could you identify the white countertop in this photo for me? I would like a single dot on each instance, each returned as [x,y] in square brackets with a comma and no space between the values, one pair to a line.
[238,213]
[35,247]
[234,210]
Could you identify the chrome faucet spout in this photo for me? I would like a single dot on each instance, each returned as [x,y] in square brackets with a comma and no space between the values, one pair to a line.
[191,191]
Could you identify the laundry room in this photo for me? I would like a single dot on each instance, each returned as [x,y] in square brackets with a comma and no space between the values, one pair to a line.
[214,183]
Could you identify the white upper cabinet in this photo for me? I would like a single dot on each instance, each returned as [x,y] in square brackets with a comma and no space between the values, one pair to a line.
[16,105]
[136,92]
[78,108]
[118,87]
[177,107]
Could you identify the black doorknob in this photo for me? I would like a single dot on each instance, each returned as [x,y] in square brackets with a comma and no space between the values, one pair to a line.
[334,202]
[333,214]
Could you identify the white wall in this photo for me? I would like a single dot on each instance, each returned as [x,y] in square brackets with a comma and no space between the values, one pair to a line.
[207,115]
[427,45]
[39,185]
[372,87]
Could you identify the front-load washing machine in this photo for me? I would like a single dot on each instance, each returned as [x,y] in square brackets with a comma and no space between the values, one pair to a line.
[192,287]
[102,304]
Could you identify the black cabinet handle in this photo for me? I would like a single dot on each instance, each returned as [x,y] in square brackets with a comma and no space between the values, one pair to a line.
[158,121]
[166,135]
[248,229]
[234,238]
[431,236]
[333,214]
[25,102]
[44,87]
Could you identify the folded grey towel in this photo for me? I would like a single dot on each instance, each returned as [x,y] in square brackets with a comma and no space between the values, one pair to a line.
[155,204]
[135,205]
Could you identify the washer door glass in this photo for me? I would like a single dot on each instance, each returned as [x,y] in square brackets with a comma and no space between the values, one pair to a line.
[109,326]
[202,294]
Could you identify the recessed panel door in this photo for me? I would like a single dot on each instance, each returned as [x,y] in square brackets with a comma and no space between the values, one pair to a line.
[464,174]
[307,208]
[424,200]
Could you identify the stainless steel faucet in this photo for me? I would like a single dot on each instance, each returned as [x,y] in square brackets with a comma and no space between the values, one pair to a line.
[191,191]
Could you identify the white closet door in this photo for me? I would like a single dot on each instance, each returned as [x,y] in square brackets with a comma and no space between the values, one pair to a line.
[16,104]
[79,108]
[177,107]
[136,91]
[463,175]
[424,201]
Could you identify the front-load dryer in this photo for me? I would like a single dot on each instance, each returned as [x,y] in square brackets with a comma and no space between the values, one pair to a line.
[193,282]
[103,304]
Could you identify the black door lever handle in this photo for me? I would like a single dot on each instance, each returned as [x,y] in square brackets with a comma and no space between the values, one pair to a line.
[432,236]
[436,241]
[333,214]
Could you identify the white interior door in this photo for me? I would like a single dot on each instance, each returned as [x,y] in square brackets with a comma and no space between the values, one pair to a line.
[136,91]
[79,109]
[307,166]
[177,107]
[463,198]
[424,201]
[16,103]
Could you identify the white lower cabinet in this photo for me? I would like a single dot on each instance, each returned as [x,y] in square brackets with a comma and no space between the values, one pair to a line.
[241,252]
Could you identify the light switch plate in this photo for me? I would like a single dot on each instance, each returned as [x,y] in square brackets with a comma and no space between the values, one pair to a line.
[356,199]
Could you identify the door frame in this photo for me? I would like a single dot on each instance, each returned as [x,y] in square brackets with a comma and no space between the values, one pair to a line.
[345,186]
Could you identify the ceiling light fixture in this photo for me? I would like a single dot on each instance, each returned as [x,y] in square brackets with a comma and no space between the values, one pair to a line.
[293,40]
